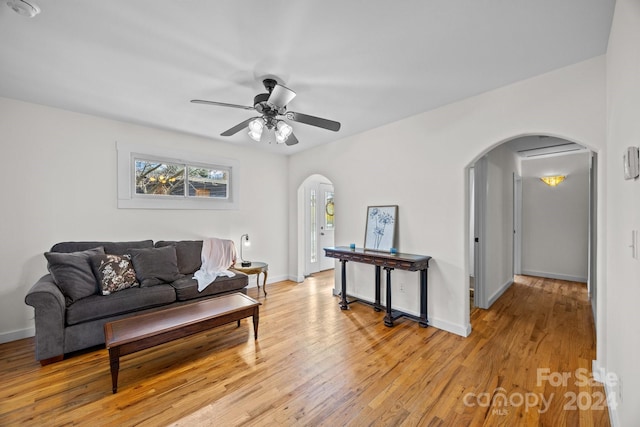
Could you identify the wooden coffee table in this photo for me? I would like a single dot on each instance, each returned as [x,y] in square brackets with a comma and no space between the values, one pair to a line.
[137,333]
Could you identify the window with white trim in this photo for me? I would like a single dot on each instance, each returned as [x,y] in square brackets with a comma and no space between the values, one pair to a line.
[152,178]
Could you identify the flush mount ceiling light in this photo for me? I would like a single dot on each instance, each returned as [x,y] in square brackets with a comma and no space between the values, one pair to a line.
[24,8]
[552,181]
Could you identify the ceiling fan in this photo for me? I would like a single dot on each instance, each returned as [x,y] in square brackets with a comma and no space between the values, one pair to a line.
[272,106]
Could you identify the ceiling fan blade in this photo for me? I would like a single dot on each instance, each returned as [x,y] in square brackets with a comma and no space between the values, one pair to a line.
[292,140]
[221,104]
[313,121]
[237,128]
[281,96]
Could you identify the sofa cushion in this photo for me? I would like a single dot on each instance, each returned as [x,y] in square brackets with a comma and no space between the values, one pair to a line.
[189,253]
[118,248]
[187,287]
[114,272]
[154,266]
[126,301]
[73,274]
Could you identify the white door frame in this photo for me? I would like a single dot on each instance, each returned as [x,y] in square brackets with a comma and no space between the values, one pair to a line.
[480,188]
[517,224]
[592,284]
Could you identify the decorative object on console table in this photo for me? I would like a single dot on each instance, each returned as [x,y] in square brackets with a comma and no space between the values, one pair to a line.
[389,262]
[380,231]
[244,241]
[256,268]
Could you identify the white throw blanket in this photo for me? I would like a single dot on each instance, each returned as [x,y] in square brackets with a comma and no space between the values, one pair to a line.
[218,255]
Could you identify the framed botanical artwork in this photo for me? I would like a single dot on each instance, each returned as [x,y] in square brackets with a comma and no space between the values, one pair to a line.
[380,232]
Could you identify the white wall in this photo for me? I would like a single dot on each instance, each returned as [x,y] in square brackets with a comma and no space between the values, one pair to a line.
[622,296]
[419,163]
[59,172]
[555,220]
[502,163]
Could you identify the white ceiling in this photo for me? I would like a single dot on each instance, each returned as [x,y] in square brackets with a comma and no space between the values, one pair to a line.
[538,146]
[362,63]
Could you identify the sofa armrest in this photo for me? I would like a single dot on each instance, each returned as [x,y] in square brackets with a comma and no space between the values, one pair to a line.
[50,309]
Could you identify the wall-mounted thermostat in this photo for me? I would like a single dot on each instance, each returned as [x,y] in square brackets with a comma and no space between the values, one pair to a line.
[631,160]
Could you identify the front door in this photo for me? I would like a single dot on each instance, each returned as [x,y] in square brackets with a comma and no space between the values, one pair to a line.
[326,222]
[319,226]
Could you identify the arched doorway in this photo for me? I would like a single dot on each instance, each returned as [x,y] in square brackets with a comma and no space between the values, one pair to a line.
[316,224]
[497,207]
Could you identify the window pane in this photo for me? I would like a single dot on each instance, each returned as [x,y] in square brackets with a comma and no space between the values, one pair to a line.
[313,227]
[328,210]
[205,182]
[159,178]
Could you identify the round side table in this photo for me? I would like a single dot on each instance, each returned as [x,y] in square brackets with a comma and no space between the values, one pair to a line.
[256,268]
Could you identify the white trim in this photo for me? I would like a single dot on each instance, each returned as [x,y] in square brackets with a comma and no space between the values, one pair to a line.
[614,417]
[450,327]
[497,294]
[517,223]
[598,371]
[270,280]
[480,189]
[127,200]
[554,276]
[600,374]
[454,328]
[17,335]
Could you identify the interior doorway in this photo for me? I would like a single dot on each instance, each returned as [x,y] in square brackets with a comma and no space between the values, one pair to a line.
[498,244]
[317,223]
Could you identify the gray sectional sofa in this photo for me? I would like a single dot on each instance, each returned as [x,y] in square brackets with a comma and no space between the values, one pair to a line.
[91,283]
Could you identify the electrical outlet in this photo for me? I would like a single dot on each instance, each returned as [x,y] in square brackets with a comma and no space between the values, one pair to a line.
[401,287]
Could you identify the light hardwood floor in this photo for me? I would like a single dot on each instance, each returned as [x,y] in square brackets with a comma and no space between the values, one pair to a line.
[314,364]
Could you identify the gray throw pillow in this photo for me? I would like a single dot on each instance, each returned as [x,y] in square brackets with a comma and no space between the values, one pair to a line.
[73,274]
[189,253]
[154,266]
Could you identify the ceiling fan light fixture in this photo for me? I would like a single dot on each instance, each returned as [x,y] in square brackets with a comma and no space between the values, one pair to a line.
[283,130]
[255,129]
[23,8]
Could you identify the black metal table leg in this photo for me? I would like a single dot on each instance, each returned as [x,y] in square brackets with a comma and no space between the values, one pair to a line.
[376,306]
[388,318]
[344,304]
[423,299]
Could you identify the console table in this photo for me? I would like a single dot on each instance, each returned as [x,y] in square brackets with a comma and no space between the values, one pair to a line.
[389,262]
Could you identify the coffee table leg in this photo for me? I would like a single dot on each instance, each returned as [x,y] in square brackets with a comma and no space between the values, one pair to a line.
[114,362]
[256,318]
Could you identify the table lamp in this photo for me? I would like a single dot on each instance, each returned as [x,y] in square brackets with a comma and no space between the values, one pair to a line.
[244,241]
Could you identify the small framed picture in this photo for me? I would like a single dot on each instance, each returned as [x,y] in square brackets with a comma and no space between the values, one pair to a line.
[380,232]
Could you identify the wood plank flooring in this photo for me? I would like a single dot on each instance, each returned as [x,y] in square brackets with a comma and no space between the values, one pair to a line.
[314,364]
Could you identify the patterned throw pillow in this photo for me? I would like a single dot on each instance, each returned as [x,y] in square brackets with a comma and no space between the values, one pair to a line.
[114,272]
